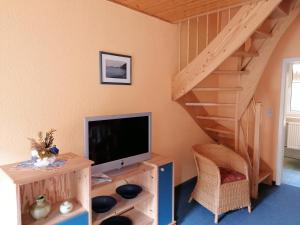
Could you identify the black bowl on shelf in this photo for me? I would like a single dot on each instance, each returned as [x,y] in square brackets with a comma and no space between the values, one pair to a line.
[102,204]
[129,191]
[117,220]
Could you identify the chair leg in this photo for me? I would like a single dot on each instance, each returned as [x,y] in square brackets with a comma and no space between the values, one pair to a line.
[249,208]
[216,218]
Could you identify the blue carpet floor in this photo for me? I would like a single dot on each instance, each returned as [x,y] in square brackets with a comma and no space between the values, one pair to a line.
[277,205]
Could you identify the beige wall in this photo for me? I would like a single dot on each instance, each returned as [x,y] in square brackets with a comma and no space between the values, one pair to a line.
[268,91]
[49,76]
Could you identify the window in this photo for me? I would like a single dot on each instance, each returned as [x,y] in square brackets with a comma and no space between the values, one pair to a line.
[293,89]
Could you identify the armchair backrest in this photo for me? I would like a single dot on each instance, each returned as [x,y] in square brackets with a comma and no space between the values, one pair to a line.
[221,156]
[207,170]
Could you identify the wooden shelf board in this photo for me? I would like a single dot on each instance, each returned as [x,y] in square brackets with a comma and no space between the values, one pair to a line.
[55,216]
[157,160]
[22,176]
[138,218]
[122,206]
[125,173]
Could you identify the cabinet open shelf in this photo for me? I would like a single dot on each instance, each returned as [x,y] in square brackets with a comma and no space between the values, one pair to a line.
[122,206]
[138,218]
[121,175]
[21,186]
[55,216]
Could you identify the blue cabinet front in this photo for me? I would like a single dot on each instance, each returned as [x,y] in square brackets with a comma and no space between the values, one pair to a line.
[165,194]
[81,219]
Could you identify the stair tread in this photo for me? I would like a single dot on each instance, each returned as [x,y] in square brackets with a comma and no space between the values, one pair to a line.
[258,34]
[263,174]
[219,130]
[231,72]
[208,104]
[245,54]
[216,118]
[218,89]
[278,13]
[226,136]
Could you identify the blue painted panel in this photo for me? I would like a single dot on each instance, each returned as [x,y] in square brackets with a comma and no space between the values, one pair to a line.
[165,194]
[81,219]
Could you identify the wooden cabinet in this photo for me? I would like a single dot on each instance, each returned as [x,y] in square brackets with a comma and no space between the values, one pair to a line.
[20,186]
[153,206]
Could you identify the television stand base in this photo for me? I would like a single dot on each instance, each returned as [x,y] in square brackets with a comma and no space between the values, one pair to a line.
[123,170]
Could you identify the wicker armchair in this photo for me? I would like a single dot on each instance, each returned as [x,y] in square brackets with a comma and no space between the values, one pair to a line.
[211,190]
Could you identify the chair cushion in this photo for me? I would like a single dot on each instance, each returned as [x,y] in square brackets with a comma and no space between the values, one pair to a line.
[228,175]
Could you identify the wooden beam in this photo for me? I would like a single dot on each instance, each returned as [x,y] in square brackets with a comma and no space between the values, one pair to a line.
[183,55]
[239,29]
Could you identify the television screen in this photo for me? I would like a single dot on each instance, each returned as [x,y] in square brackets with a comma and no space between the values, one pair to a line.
[117,138]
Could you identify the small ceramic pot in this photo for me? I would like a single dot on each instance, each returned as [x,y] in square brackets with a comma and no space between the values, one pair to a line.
[66,207]
[41,208]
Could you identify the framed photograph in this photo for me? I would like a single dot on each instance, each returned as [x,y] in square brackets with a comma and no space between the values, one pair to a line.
[115,68]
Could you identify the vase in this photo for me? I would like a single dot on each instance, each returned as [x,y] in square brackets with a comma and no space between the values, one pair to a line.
[41,208]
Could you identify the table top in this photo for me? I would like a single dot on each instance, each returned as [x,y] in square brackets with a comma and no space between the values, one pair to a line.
[20,175]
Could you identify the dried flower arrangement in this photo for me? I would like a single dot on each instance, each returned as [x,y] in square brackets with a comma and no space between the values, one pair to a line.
[44,145]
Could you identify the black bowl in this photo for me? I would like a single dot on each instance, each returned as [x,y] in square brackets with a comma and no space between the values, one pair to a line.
[129,191]
[117,220]
[103,204]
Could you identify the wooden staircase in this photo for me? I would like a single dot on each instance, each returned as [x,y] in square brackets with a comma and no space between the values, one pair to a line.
[222,57]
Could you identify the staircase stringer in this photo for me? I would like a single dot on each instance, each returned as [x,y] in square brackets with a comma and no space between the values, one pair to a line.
[234,34]
[257,65]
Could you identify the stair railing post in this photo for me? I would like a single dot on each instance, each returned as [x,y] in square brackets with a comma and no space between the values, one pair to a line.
[256,150]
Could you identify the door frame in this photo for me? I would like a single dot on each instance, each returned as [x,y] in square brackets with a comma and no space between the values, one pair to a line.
[281,131]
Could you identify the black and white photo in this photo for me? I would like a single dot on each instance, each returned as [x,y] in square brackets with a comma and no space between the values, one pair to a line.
[115,68]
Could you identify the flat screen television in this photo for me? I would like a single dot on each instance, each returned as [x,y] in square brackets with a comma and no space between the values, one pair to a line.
[113,142]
